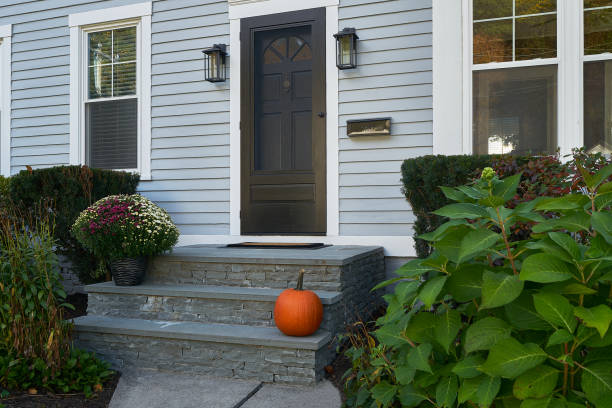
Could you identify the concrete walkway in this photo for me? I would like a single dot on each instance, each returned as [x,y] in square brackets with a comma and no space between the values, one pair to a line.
[152,389]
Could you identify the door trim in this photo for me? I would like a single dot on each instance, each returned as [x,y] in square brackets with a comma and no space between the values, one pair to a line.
[332,162]
[331,21]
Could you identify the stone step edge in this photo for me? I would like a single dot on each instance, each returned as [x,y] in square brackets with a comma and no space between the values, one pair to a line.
[209,332]
[203,292]
[333,255]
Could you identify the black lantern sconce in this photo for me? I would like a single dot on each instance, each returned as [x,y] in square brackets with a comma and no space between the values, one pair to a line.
[215,68]
[346,48]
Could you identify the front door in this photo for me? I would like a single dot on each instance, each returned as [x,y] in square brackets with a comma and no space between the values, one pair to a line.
[283,124]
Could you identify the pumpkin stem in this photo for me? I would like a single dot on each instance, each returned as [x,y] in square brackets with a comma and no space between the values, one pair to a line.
[300,280]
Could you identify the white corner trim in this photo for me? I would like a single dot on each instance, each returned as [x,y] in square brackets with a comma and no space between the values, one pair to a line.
[5,99]
[6,31]
[235,155]
[448,112]
[251,8]
[332,142]
[401,246]
[332,150]
[106,15]
[570,108]
[145,98]
[75,95]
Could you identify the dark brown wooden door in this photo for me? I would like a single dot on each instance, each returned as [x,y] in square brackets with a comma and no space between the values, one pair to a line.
[283,124]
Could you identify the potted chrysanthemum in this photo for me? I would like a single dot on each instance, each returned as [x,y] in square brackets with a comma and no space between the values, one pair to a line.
[124,230]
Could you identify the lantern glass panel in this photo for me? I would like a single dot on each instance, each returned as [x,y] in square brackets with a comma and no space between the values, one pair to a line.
[213,65]
[345,50]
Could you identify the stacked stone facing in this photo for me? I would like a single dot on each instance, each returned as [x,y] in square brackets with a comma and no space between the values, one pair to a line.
[209,310]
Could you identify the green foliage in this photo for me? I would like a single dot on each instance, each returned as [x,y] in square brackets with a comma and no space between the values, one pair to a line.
[35,347]
[121,226]
[70,190]
[31,321]
[4,191]
[422,177]
[491,319]
[82,372]
[425,179]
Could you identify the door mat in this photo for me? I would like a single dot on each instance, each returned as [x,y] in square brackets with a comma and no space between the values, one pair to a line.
[278,245]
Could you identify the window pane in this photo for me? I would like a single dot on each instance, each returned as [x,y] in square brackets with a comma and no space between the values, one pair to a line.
[492,41]
[492,9]
[100,81]
[515,110]
[597,31]
[598,106]
[124,79]
[112,134]
[536,37]
[535,6]
[597,3]
[100,48]
[124,43]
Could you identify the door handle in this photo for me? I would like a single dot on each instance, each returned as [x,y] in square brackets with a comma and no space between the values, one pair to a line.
[321,114]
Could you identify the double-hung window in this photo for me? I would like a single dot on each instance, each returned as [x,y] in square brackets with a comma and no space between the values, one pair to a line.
[110,84]
[514,79]
[111,100]
[522,76]
[597,72]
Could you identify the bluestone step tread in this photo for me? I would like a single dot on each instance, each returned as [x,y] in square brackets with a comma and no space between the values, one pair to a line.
[211,332]
[204,292]
[330,255]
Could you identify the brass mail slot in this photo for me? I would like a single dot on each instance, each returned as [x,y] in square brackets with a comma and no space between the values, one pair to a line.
[368,127]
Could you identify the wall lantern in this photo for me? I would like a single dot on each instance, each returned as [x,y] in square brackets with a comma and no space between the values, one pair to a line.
[346,48]
[214,63]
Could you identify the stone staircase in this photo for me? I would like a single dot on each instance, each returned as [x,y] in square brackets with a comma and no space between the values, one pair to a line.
[208,309]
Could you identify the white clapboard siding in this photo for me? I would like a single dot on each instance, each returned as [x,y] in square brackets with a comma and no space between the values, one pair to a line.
[393,79]
[190,117]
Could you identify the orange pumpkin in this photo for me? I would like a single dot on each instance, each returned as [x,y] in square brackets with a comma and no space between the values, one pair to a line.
[298,312]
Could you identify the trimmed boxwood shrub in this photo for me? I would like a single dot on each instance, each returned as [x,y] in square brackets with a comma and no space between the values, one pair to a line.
[70,189]
[422,177]
[541,176]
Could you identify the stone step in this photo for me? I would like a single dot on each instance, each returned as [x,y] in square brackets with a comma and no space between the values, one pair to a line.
[204,304]
[332,268]
[235,351]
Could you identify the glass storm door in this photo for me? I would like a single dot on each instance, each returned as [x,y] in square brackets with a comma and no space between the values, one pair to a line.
[283,182]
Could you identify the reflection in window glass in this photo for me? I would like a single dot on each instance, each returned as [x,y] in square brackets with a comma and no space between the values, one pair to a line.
[124,44]
[524,7]
[597,31]
[492,41]
[516,30]
[515,110]
[598,106]
[597,3]
[112,63]
[536,37]
[484,9]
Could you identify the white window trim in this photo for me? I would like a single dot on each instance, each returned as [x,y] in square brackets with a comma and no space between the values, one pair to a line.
[5,99]
[250,8]
[80,25]
[452,76]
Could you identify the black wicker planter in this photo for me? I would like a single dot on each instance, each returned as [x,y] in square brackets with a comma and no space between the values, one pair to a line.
[128,271]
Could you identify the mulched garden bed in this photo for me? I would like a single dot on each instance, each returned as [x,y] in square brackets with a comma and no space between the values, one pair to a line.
[48,400]
[45,399]
[335,371]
